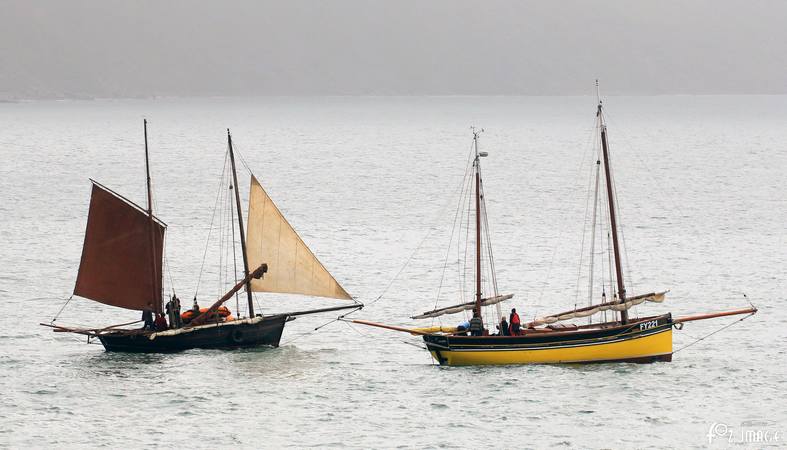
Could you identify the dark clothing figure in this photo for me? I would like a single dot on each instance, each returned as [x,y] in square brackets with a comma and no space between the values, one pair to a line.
[476,326]
[173,311]
[161,323]
[147,318]
[515,323]
[504,328]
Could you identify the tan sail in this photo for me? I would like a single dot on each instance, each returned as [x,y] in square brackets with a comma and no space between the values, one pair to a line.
[117,266]
[292,267]
[656,297]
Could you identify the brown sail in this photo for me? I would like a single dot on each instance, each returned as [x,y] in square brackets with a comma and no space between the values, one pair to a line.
[118,267]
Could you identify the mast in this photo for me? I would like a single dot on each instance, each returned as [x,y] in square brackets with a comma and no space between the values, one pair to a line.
[156,288]
[477,227]
[612,218]
[240,227]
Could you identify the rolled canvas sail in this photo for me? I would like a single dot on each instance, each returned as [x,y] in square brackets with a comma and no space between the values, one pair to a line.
[117,266]
[292,267]
[656,297]
[462,307]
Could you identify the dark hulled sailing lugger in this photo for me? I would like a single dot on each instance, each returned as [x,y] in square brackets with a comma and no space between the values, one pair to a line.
[544,340]
[122,261]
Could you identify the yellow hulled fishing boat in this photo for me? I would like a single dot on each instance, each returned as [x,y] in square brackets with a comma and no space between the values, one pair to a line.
[615,337]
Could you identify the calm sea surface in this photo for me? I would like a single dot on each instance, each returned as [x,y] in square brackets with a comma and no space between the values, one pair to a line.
[702,183]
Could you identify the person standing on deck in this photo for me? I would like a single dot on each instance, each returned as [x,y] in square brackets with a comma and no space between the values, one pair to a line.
[503,327]
[173,311]
[147,317]
[476,325]
[515,322]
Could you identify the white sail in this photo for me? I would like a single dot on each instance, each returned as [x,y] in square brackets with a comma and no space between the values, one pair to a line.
[292,267]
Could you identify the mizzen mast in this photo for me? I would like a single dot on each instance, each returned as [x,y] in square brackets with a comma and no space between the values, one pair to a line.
[612,216]
[154,273]
[240,226]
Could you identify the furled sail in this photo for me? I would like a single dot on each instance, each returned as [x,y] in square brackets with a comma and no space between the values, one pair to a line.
[292,267]
[656,297]
[118,267]
[462,307]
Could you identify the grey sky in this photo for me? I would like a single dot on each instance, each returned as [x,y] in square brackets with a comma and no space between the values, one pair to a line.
[113,48]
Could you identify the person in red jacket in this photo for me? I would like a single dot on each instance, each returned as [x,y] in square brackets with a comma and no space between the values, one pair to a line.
[161,323]
[515,322]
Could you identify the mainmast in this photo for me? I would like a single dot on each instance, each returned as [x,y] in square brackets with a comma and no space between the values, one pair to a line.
[240,226]
[612,217]
[156,288]
[477,167]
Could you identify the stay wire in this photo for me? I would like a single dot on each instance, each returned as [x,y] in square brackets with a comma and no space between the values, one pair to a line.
[62,308]
[714,332]
[317,328]
[409,259]
[210,227]
[591,178]
[557,244]
[464,186]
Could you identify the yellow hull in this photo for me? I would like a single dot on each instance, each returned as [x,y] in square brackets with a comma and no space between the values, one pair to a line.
[651,347]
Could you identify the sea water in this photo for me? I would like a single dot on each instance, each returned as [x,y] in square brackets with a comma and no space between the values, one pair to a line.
[370,184]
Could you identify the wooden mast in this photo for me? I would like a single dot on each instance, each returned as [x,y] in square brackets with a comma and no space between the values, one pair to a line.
[612,218]
[156,288]
[240,226]
[477,227]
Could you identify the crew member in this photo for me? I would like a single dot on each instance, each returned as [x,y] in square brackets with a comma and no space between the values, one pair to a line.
[161,323]
[503,327]
[476,325]
[515,322]
[147,317]
[173,311]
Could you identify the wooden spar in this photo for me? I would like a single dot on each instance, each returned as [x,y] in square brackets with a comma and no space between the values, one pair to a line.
[598,305]
[321,310]
[199,320]
[62,329]
[612,219]
[734,312]
[477,228]
[388,327]
[240,226]
[156,288]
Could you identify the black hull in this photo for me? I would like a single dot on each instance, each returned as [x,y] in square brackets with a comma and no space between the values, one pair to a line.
[265,332]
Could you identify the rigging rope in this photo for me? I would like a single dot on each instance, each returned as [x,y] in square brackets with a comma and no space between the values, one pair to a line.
[584,227]
[412,255]
[61,308]
[234,256]
[493,274]
[317,328]
[714,332]
[593,239]
[557,244]
[210,227]
[463,186]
